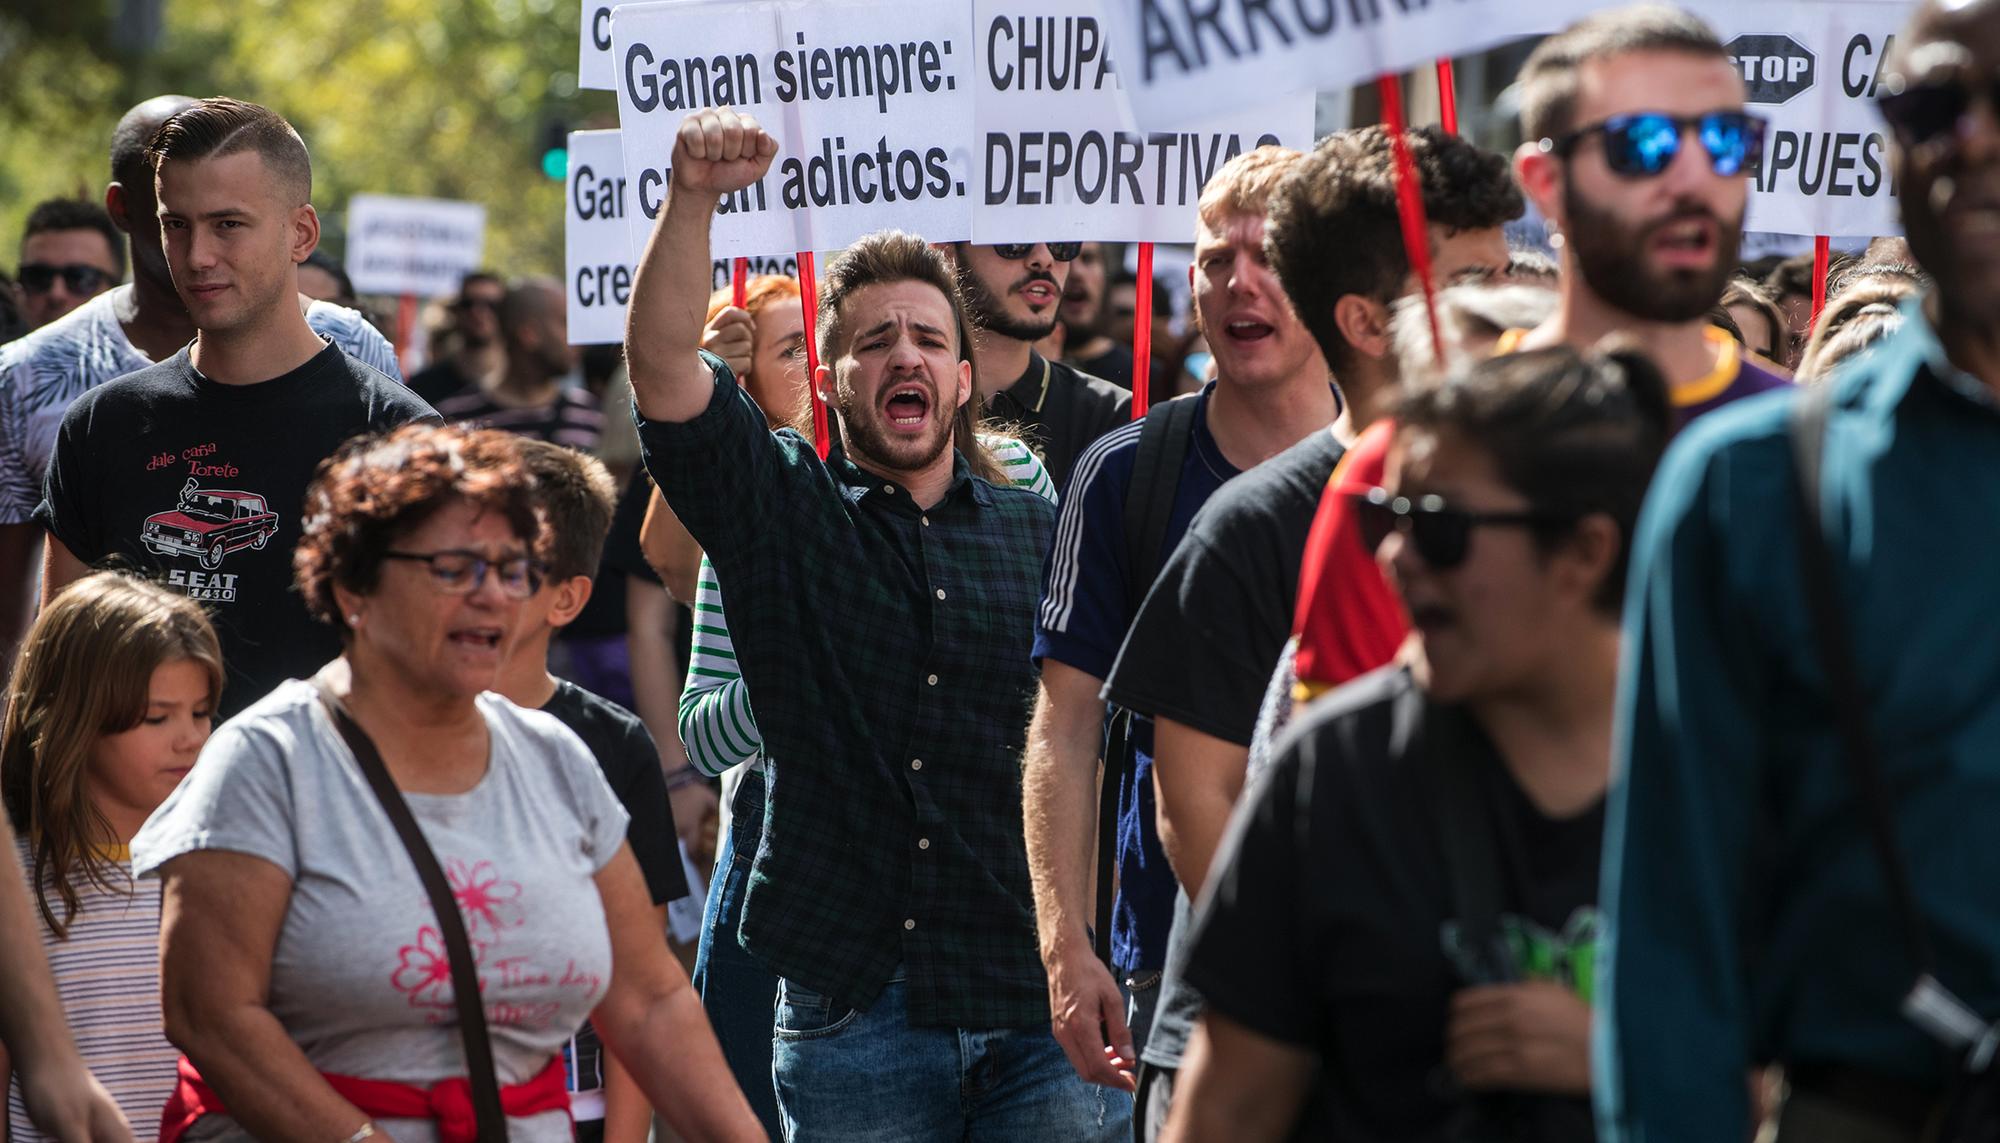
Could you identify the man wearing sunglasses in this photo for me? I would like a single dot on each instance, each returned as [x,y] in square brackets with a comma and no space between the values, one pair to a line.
[1639,154]
[480,353]
[119,331]
[195,469]
[1754,919]
[1014,292]
[70,253]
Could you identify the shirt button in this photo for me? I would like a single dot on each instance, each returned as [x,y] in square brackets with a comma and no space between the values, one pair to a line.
[909,924]
[889,488]
[923,843]
[926,520]
[940,593]
[916,763]
[932,680]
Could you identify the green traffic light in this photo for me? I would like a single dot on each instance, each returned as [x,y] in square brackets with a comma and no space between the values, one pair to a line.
[555,162]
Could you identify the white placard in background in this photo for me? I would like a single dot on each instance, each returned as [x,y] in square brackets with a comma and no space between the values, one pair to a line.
[1811,67]
[869,101]
[594,66]
[420,246]
[1185,59]
[597,244]
[1058,154]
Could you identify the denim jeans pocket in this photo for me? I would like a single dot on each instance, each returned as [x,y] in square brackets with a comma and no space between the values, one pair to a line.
[807,1015]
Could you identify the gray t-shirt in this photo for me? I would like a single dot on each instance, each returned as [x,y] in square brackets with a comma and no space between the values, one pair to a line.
[360,978]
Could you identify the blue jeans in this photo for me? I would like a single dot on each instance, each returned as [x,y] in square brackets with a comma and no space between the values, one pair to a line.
[736,991]
[869,1077]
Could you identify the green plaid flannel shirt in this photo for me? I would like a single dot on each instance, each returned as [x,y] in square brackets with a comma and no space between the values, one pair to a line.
[887,653]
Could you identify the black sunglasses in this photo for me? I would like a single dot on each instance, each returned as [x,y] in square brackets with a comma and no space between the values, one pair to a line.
[1060,251]
[1927,112]
[1440,533]
[77,278]
[1644,144]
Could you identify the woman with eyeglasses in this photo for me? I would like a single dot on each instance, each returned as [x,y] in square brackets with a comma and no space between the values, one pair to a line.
[1397,941]
[303,968]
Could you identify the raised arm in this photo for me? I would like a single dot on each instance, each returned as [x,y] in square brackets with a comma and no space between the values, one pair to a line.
[718,151]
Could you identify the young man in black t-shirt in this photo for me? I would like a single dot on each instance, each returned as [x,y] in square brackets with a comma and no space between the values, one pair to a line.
[1398,936]
[195,469]
[576,498]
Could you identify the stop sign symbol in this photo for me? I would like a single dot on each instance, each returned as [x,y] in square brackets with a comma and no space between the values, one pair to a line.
[1775,68]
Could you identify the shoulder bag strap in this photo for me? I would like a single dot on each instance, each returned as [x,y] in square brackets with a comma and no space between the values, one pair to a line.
[451,925]
[1928,1004]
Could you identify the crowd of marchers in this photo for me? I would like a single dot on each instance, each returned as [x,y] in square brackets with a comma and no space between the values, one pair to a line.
[1486,696]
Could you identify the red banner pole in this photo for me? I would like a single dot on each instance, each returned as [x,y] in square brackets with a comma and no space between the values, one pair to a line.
[739,283]
[1142,334]
[1410,202]
[1447,96]
[1822,254]
[809,298]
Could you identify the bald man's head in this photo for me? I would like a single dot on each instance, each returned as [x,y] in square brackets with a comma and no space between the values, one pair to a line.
[129,198]
[129,139]
[534,322]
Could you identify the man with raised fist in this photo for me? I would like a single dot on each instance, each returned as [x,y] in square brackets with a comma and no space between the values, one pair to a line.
[889,666]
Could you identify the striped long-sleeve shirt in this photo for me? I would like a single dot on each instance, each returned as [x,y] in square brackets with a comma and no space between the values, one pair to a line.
[715,718]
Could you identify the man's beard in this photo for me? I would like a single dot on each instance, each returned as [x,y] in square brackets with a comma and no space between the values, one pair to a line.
[869,439]
[990,310]
[1611,256]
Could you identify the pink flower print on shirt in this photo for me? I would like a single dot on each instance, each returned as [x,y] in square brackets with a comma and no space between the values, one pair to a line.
[488,903]
[423,971]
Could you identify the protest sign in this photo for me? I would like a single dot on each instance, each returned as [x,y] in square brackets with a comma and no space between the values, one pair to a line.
[419,246]
[593,49]
[1185,59]
[1811,67]
[597,244]
[1059,155]
[602,251]
[869,100]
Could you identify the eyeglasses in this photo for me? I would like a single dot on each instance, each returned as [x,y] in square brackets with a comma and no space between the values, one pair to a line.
[1060,251]
[77,277]
[1929,111]
[1644,144]
[462,573]
[1440,533]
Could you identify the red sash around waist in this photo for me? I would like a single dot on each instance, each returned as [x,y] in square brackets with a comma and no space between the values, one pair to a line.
[448,1101]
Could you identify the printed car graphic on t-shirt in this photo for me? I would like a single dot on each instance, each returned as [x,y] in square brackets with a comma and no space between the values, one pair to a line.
[210,523]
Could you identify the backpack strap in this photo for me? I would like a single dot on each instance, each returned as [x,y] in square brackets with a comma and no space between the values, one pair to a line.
[1164,440]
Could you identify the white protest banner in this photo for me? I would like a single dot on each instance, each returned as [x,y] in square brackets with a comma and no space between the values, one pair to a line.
[602,251]
[419,246]
[597,245]
[1058,153]
[593,47]
[1811,67]
[1184,59]
[869,100]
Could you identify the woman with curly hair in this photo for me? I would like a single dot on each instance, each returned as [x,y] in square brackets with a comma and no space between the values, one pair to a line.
[112,699]
[304,971]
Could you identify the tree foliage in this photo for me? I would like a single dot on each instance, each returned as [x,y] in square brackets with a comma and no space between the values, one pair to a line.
[441,98]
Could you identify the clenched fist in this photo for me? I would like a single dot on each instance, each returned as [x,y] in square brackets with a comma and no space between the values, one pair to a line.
[720,151]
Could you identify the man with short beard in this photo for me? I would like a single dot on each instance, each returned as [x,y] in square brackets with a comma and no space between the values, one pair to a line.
[1084,342]
[1012,292]
[1639,153]
[893,589]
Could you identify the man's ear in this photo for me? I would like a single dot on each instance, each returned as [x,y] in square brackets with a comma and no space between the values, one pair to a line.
[1364,323]
[114,205]
[1588,554]
[570,597]
[964,384]
[305,232]
[1541,177]
[823,384]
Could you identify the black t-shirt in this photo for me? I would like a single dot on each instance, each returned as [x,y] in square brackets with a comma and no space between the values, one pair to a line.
[440,379]
[631,764]
[201,484]
[1059,411]
[1114,365]
[1204,643]
[1330,921]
